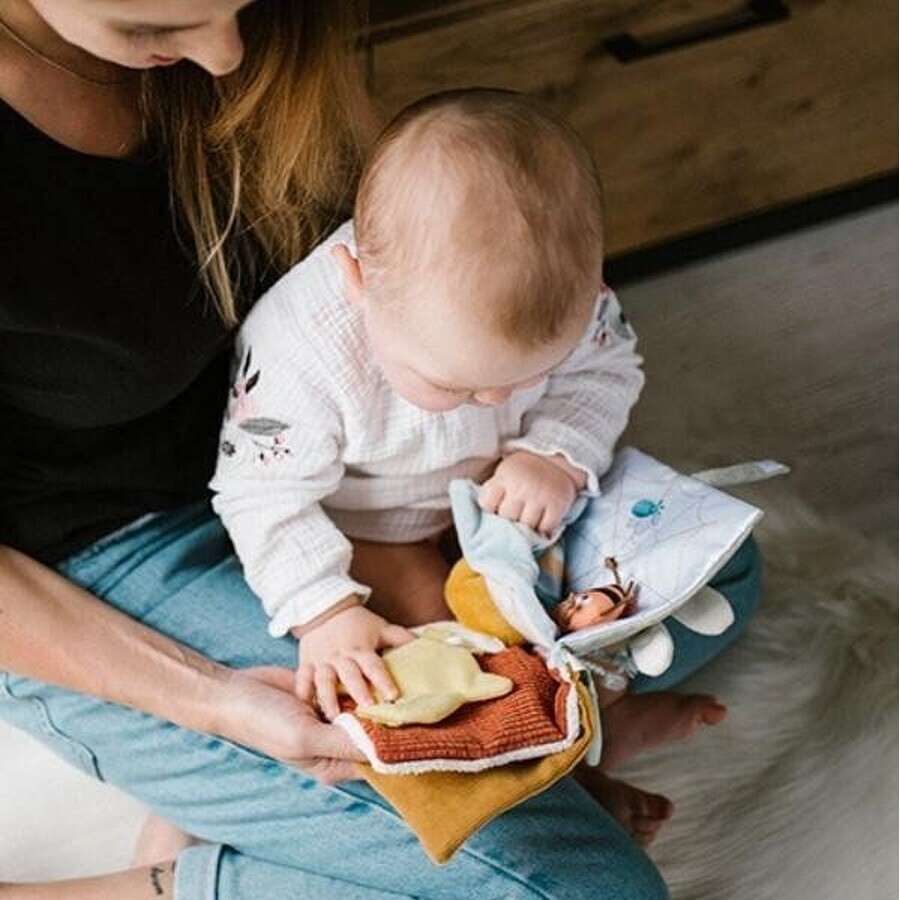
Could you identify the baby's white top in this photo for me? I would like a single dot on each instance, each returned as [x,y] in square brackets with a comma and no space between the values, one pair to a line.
[316,445]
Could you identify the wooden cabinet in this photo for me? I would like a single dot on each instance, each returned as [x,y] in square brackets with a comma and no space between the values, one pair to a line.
[719,115]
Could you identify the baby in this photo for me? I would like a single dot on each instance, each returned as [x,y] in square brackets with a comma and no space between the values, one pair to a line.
[458,327]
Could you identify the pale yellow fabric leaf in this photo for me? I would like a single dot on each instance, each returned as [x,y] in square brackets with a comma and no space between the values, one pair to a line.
[434,679]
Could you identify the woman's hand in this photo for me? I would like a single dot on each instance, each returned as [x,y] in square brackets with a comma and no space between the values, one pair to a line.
[263,713]
[114,657]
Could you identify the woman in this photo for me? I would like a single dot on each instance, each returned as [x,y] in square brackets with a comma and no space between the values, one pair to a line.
[115,316]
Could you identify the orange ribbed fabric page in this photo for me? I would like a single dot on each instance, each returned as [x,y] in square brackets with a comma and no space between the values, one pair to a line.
[533,713]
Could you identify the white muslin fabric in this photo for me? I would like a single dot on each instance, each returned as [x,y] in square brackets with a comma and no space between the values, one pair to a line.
[316,446]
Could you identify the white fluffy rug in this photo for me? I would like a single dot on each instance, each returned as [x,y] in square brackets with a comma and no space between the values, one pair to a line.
[795,795]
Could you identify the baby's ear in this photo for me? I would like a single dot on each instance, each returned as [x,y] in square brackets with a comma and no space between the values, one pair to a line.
[351,273]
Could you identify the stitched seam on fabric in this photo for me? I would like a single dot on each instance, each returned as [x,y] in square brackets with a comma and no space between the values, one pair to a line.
[212,878]
[86,761]
[497,867]
[186,869]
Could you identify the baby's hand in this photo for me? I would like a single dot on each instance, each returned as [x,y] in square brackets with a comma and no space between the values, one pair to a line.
[343,648]
[534,490]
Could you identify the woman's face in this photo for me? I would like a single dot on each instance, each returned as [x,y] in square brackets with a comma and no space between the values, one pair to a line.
[142,34]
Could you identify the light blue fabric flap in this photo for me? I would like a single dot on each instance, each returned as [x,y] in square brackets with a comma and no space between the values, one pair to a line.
[668,532]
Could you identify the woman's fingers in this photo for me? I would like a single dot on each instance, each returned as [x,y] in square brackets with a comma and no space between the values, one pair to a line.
[332,771]
[325,746]
[275,721]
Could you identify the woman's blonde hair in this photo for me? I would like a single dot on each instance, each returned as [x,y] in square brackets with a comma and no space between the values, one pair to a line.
[263,162]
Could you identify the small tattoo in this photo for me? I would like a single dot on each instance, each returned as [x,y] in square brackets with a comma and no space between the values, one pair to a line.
[155,872]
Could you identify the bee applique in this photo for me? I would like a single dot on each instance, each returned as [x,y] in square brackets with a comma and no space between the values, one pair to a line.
[582,609]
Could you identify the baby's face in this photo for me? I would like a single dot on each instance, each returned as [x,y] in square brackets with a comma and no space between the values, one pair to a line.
[438,356]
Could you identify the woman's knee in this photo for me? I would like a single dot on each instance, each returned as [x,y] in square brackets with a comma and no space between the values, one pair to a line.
[637,878]
[632,876]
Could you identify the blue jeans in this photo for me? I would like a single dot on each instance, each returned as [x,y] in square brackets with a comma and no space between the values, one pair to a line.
[275,833]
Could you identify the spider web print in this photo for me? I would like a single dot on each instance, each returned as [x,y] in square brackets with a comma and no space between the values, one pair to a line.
[680,518]
[670,552]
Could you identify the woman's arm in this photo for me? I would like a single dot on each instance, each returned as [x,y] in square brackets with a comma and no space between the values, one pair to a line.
[145,883]
[54,631]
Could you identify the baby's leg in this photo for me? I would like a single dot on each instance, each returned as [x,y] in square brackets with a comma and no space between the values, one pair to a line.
[633,723]
[407,580]
[639,812]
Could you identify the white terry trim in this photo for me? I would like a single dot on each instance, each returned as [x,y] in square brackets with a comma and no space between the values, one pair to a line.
[358,735]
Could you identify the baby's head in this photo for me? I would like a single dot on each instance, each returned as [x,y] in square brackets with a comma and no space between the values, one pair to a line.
[479,240]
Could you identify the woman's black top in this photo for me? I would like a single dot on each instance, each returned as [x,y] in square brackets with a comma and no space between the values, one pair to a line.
[113,362]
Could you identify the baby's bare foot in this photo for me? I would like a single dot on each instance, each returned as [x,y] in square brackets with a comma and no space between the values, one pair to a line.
[640,813]
[159,841]
[639,722]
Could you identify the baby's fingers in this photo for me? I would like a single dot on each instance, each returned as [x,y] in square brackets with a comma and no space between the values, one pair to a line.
[511,507]
[532,515]
[550,520]
[377,674]
[395,635]
[491,495]
[325,679]
[353,681]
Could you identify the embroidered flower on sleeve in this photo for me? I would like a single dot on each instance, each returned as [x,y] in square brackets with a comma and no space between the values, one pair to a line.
[267,434]
[610,321]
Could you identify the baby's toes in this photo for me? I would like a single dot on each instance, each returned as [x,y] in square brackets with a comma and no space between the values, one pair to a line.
[649,813]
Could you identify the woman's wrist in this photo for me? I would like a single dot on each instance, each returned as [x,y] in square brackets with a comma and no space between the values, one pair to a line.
[198,691]
[55,631]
